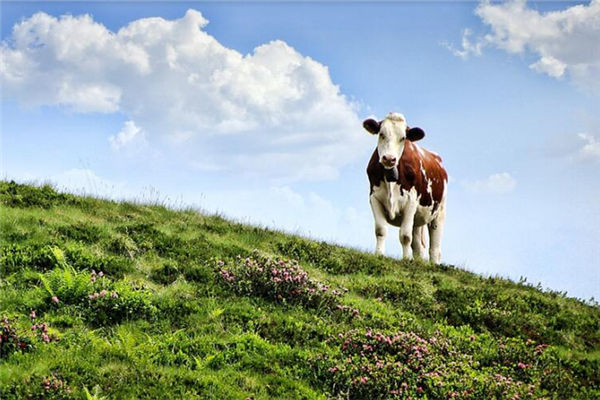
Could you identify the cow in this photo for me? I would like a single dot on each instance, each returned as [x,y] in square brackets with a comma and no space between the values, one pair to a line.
[408,188]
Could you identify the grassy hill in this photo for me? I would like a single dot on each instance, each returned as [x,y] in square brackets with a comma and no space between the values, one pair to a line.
[103,299]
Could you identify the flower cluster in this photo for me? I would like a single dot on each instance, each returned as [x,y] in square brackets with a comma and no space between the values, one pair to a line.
[279,280]
[41,329]
[95,275]
[378,365]
[103,293]
[55,384]
[351,310]
[11,340]
[402,365]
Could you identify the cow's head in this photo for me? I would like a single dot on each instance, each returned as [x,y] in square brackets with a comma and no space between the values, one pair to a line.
[392,133]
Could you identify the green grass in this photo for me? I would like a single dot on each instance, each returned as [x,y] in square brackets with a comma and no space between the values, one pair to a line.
[189,307]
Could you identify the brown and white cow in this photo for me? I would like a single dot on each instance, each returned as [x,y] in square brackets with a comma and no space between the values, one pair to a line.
[408,187]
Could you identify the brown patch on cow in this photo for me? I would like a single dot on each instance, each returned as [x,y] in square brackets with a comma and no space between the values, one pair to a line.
[411,175]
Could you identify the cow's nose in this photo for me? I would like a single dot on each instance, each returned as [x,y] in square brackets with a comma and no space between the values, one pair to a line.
[389,159]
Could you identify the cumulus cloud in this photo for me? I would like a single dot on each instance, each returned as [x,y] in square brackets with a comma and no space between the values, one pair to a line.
[590,150]
[271,111]
[129,135]
[565,42]
[495,184]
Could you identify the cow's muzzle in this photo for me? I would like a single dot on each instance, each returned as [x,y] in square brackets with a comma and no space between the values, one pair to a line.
[388,161]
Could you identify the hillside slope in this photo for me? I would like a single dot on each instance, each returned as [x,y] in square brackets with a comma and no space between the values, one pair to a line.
[118,300]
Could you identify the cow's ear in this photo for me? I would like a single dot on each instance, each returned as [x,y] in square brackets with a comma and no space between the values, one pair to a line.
[371,126]
[414,134]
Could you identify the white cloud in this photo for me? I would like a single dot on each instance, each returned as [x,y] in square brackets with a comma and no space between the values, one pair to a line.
[590,151]
[468,46]
[273,111]
[129,135]
[550,66]
[566,42]
[579,148]
[496,184]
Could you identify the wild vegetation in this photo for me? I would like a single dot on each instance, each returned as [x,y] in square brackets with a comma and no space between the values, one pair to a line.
[103,299]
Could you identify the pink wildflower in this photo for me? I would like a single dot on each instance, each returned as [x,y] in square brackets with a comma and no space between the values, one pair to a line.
[523,365]
[55,299]
[32,314]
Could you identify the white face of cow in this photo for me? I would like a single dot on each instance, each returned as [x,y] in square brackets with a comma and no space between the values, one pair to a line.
[392,133]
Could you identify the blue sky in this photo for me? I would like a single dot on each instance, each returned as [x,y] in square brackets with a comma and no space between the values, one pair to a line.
[195,115]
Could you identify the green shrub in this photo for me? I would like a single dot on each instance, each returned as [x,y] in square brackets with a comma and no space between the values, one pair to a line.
[14,194]
[148,238]
[86,232]
[118,302]
[407,294]
[80,258]
[97,298]
[165,274]
[17,257]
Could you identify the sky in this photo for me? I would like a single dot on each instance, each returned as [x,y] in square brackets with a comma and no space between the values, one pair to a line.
[254,111]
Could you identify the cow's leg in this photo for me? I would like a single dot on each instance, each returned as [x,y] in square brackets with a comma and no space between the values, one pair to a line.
[406,228]
[418,242]
[380,224]
[436,228]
